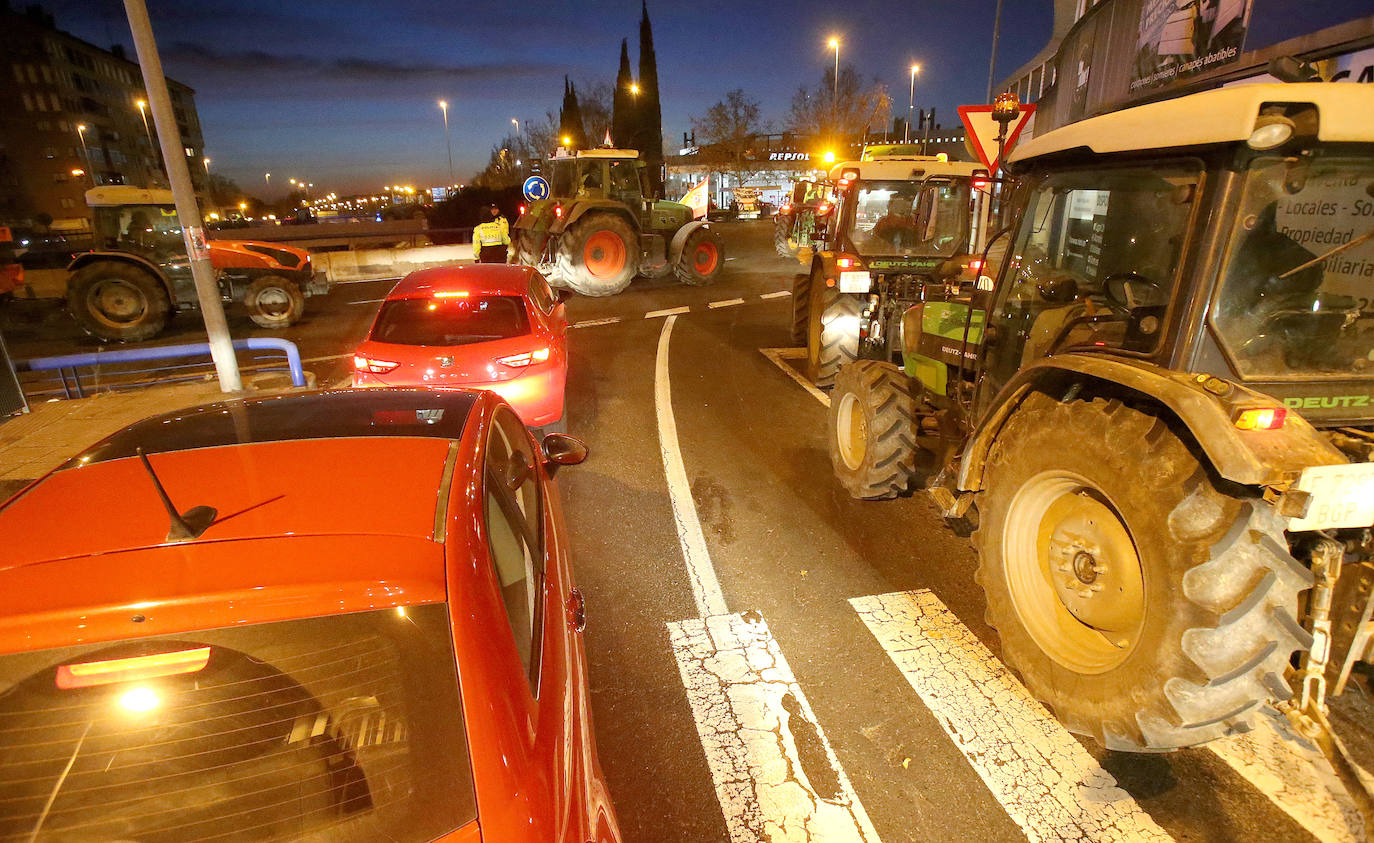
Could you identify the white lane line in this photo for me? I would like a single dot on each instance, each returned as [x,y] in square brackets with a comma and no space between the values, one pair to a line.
[775,773]
[778,355]
[776,294]
[587,323]
[705,586]
[327,357]
[672,311]
[724,303]
[1047,782]
[368,301]
[1295,776]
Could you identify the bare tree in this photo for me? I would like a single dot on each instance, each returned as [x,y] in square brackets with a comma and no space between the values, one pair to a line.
[596,111]
[839,114]
[729,133]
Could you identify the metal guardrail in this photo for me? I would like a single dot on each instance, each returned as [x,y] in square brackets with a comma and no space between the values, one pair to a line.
[71,362]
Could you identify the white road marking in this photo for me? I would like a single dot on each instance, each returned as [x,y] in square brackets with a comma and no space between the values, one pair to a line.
[368,280]
[705,586]
[672,311]
[778,355]
[1295,776]
[775,774]
[1047,782]
[776,294]
[327,357]
[368,301]
[776,777]
[724,303]
[587,323]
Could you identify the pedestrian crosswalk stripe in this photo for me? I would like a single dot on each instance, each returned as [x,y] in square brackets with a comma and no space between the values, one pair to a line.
[775,773]
[1045,780]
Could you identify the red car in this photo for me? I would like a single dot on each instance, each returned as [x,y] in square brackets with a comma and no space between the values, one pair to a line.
[481,326]
[334,616]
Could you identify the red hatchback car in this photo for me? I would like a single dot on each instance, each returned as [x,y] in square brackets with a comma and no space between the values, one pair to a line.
[480,326]
[339,616]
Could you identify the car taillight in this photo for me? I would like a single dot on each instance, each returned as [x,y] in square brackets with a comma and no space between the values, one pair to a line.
[110,671]
[452,294]
[519,361]
[371,364]
[1265,418]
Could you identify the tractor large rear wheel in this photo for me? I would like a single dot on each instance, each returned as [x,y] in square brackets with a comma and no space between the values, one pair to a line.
[1144,605]
[782,226]
[599,255]
[801,306]
[114,300]
[874,423]
[832,335]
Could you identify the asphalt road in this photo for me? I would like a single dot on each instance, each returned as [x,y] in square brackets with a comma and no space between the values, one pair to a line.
[799,664]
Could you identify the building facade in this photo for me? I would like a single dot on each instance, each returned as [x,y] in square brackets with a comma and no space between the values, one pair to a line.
[1105,55]
[70,119]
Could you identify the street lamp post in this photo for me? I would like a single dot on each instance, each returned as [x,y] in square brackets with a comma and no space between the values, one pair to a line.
[85,152]
[835,90]
[152,144]
[910,102]
[443,106]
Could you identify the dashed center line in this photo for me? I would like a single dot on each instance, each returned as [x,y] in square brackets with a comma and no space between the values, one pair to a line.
[776,294]
[671,311]
[724,303]
[587,323]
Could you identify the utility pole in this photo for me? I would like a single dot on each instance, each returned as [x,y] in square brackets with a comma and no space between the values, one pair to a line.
[996,33]
[192,228]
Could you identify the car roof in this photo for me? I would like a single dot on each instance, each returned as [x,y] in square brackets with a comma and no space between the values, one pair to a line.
[1224,115]
[495,279]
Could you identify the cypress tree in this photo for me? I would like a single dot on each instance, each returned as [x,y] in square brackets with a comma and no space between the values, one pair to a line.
[649,115]
[570,118]
[623,117]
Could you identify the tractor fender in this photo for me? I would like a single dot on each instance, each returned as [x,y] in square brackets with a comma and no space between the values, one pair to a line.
[679,240]
[1202,403]
[585,206]
[88,258]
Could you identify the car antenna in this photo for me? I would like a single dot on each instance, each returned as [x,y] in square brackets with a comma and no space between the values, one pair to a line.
[185,525]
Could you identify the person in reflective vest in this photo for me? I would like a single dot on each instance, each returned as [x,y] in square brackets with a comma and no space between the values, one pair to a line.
[490,239]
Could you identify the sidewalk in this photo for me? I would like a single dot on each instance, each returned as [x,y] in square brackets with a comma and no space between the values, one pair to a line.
[34,443]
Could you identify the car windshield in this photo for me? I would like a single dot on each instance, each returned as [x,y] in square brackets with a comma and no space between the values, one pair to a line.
[457,320]
[909,218]
[1295,295]
[340,728]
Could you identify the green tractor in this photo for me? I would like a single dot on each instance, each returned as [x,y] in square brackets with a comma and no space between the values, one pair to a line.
[1157,422]
[598,228]
[796,221]
[899,217]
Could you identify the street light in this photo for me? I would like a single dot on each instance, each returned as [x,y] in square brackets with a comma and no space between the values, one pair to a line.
[86,153]
[207,169]
[834,43]
[910,102]
[634,88]
[443,106]
[143,112]
[267,177]
[567,141]
[517,126]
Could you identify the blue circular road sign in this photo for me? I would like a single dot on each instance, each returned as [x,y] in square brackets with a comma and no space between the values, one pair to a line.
[536,188]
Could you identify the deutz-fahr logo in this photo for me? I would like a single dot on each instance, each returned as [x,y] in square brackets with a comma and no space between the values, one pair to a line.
[1327,402]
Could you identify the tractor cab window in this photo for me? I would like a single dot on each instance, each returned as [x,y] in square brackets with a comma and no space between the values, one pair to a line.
[908,218]
[943,213]
[1093,265]
[624,177]
[593,177]
[563,177]
[152,231]
[1295,298]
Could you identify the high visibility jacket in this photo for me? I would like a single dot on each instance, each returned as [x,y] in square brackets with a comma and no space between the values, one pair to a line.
[490,234]
[505,227]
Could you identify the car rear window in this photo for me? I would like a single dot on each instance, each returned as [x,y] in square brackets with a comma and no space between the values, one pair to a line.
[451,321]
[346,727]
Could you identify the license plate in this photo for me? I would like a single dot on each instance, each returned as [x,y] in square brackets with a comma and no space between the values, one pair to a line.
[1342,496]
[855,281]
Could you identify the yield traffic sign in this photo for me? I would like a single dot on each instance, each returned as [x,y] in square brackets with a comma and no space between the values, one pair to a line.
[982,132]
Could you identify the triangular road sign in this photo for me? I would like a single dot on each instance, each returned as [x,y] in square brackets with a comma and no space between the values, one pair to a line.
[982,132]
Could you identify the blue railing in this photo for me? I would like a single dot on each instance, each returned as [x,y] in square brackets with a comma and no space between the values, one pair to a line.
[69,363]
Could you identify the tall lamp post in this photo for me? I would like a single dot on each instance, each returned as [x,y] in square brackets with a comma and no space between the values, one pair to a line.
[443,106]
[834,44]
[152,144]
[910,103]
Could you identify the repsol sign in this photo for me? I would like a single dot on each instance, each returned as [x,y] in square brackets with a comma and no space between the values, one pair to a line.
[789,156]
[1327,402]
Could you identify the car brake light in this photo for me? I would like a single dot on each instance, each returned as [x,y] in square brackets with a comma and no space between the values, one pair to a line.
[452,294]
[518,361]
[90,674]
[373,365]
[1266,418]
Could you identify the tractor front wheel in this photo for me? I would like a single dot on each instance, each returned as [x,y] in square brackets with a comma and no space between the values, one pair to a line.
[701,260]
[874,423]
[274,302]
[832,331]
[1145,605]
[599,256]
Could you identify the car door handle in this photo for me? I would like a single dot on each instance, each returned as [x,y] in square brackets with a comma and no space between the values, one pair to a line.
[577,611]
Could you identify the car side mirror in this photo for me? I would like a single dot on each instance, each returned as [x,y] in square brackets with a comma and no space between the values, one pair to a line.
[561,449]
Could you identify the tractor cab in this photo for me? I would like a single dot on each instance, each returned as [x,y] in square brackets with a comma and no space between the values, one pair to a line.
[136,220]
[616,174]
